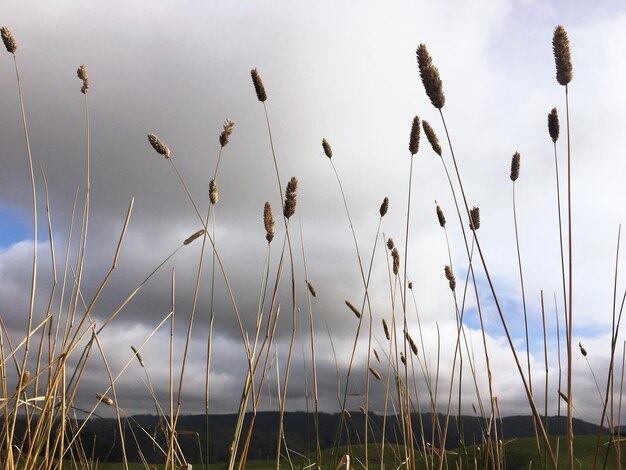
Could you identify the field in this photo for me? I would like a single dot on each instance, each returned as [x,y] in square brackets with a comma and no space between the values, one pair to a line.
[285,328]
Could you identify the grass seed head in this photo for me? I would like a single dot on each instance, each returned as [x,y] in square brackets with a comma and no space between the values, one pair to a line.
[104,399]
[386,328]
[311,289]
[213,194]
[139,358]
[562,59]
[81,72]
[268,222]
[475,218]
[450,277]
[159,146]
[441,217]
[226,132]
[258,85]
[8,40]
[375,373]
[290,197]
[583,351]
[553,125]
[384,207]
[515,162]
[410,285]
[353,308]
[430,77]
[432,137]
[414,138]
[328,151]
[396,260]
[390,243]
[376,355]
[411,342]
[194,237]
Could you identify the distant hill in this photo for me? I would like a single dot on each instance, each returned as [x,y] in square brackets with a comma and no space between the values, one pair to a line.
[101,436]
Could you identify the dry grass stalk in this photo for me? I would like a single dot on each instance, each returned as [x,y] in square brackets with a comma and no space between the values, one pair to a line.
[440,217]
[450,277]
[396,260]
[213,194]
[328,151]
[194,237]
[432,137]
[475,218]
[82,74]
[414,138]
[386,328]
[430,77]
[375,373]
[384,207]
[258,85]
[311,289]
[515,164]
[139,358]
[159,146]
[290,197]
[553,125]
[562,59]
[226,132]
[353,308]
[8,40]
[268,222]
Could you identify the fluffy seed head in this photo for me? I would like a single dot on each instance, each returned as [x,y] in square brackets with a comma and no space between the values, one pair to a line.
[81,72]
[226,132]
[432,137]
[375,373]
[475,218]
[430,77]
[194,237]
[515,161]
[386,328]
[414,138]
[268,222]
[450,277]
[258,85]
[384,207]
[328,151]
[213,194]
[353,308]
[562,59]
[104,399]
[8,40]
[139,358]
[311,289]
[396,260]
[390,243]
[290,197]
[440,217]
[583,351]
[159,146]
[553,125]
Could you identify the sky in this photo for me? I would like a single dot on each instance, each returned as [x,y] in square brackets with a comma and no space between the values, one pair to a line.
[331,70]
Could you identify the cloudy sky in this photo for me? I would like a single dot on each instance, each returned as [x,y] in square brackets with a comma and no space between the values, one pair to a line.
[337,70]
